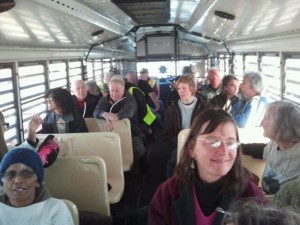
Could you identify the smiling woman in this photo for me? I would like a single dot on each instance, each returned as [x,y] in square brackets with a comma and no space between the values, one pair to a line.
[208,176]
[22,176]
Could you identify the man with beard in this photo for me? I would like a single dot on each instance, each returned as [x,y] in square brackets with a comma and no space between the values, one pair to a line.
[249,110]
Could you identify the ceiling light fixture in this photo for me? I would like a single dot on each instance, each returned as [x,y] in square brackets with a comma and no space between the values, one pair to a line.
[224,15]
[6,5]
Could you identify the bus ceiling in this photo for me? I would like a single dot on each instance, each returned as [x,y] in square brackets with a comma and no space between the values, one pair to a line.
[106,28]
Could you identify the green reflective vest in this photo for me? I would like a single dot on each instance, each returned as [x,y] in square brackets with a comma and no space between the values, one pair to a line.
[149,117]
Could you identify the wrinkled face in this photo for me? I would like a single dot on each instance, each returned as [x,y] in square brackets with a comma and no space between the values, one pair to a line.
[184,92]
[116,91]
[214,78]
[245,90]
[214,163]
[232,88]
[267,125]
[80,90]
[19,184]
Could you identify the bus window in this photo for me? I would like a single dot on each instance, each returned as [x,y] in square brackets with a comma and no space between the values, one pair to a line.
[57,74]
[251,63]
[270,67]
[292,84]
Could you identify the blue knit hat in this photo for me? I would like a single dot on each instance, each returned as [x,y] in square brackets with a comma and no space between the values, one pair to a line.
[25,156]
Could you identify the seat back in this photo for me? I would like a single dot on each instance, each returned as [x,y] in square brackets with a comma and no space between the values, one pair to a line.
[102,144]
[80,179]
[73,209]
[181,140]
[92,125]
[255,166]
[123,129]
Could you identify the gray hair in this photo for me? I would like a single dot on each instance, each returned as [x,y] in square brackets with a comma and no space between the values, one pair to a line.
[92,87]
[250,213]
[255,79]
[117,79]
[285,120]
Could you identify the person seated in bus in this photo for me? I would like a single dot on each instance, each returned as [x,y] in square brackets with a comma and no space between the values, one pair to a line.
[63,117]
[85,102]
[288,194]
[252,213]
[146,117]
[104,85]
[228,96]
[180,114]
[93,88]
[281,123]
[208,176]
[118,105]
[249,110]
[31,140]
[25,199]
[213,87]
[151,95]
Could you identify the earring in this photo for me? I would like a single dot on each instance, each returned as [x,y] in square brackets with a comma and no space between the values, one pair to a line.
[192,164]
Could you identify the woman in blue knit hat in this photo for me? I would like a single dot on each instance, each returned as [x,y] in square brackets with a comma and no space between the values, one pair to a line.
[25,200]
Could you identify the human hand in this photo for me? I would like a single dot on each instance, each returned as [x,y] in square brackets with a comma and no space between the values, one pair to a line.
[34,123]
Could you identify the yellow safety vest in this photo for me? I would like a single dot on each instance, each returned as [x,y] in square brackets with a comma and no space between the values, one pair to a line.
[152,82]
[149,117]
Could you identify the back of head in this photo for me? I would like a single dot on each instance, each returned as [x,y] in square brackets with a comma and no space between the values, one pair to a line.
[251,213]
[187,70]
[255,79]
[92,87]
[25,156]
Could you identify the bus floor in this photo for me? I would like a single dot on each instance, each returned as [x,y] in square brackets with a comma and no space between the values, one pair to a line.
[139,188]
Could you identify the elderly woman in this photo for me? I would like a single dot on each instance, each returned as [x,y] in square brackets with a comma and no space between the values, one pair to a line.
[281,123]
[63,116]
[25,200]
[209,175]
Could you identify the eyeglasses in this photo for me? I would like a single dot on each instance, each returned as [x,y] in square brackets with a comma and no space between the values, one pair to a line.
[49,99]
[25,174]
[5,124]
[215,143]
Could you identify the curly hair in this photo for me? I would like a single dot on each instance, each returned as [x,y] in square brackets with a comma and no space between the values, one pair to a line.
[63,99]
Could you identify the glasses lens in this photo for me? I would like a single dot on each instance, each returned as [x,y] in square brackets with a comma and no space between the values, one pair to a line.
[9,175]
[232,145]
[213,142]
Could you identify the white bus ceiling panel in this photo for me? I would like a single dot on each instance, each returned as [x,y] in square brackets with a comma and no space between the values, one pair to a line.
[254,19]
[45,23]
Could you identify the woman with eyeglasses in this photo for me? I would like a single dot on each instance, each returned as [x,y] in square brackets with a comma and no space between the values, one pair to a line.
[63,116]
[24,199]
[208,175]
